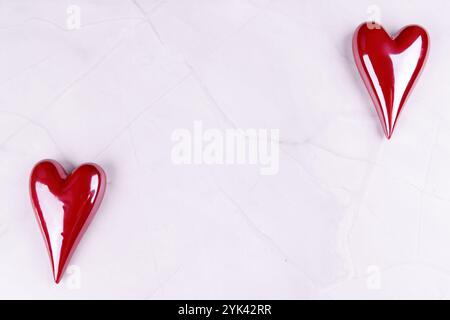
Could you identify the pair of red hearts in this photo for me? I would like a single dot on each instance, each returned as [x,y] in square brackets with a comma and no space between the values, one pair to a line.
[65,204]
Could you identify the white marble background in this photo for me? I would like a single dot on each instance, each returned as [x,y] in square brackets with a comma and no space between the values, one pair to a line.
[350,214]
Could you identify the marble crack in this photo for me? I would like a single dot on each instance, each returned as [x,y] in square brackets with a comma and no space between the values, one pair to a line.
[263,236]
[29,121]
[84,74]
[141,113]
[28,68]
[148,20]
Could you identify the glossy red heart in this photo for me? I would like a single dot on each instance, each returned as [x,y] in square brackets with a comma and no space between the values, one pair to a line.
[389,67]
[64,205]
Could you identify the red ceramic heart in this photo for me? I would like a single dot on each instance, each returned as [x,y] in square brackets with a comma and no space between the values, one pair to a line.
[64,205]
[389,67]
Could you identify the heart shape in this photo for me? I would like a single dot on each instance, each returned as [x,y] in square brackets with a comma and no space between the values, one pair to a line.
[64,206]
[389,67]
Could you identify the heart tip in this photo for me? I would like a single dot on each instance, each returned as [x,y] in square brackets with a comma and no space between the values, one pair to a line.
[389,134]
[57,279]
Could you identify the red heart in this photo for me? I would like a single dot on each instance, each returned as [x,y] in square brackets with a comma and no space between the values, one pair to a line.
[64,205]
[389,67]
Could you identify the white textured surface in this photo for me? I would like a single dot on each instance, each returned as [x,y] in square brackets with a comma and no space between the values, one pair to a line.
[350,214]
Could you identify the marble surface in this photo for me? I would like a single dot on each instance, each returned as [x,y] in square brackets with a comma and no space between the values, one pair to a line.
[348,215]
